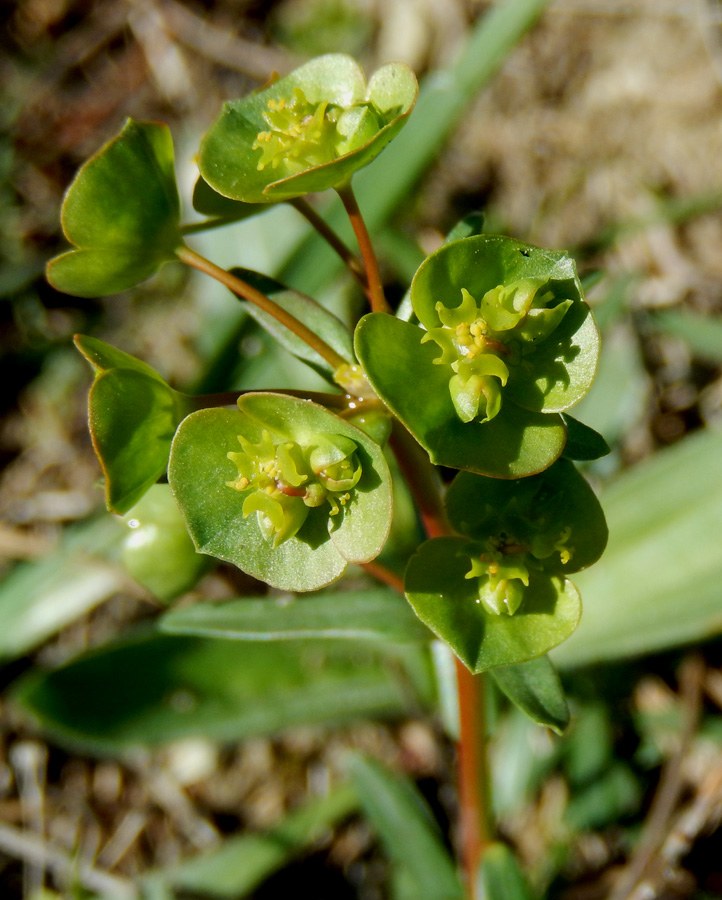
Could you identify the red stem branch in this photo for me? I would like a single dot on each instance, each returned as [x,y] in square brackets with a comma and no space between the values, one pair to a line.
[375,285]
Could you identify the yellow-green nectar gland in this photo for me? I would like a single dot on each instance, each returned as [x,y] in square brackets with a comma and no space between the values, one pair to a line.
[281,485]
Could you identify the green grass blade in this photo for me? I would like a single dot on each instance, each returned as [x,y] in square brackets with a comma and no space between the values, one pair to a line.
[657,584]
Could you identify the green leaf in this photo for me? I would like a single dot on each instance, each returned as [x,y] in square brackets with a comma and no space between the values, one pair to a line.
[376,614]
[407,829]
[549,370]
[121,213]
[133,415]
[174,687]
[448,602]
[472,224]
[583,442]
[316,317]
[210,203]
[513,444]
[444,96]
[535,688]
[500,876]
[158,553]
[241,863]
[537,512]
[201,471]
[322,123]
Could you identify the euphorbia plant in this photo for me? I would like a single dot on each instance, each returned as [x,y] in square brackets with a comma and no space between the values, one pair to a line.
[476,374]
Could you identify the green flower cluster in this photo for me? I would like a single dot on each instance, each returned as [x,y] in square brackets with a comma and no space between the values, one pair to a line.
[302,135]
[502,568]
[284,481]
[481,341]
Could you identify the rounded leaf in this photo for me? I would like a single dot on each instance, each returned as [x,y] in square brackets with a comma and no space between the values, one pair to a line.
[448,603]
[217,460]
[122,214]
[554,515]
[401,369]
[306,132]
[488,295]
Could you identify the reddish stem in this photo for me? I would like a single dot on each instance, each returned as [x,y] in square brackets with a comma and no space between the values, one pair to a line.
[472,778]
[351,261]
[375,285]
[385,575]
[248,292]
[476,832]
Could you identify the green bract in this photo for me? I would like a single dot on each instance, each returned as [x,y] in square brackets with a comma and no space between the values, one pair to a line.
[282,488]
[122,214]
[506,343]
[307,132]
[133,415]
[509,319]
[522,539]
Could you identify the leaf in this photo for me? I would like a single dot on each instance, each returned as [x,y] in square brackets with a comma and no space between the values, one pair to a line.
[122,214]
[210,203]
[445,600]
[513,444]
[316,317]
[500,876]
[172,687]
[158,553]
[233,163]
[583,442]
[241,863]
[408,832]
[553,372]
[444,96]
[200,472]
[376,614]
[534,510]
[133,415]
[535,688]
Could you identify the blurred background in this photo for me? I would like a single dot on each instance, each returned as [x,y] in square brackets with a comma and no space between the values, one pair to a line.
[599,132]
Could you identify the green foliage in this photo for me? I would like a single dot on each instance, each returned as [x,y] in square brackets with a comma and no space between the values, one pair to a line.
[313,493]
[407,829]
[174,687]
[492,346]
[133,415]
[121,213]
[500,877]
[502,596]
[307,132]
[449,603]
[505,343]
[535,688]
[306,310]
[379,614]
[515,443]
